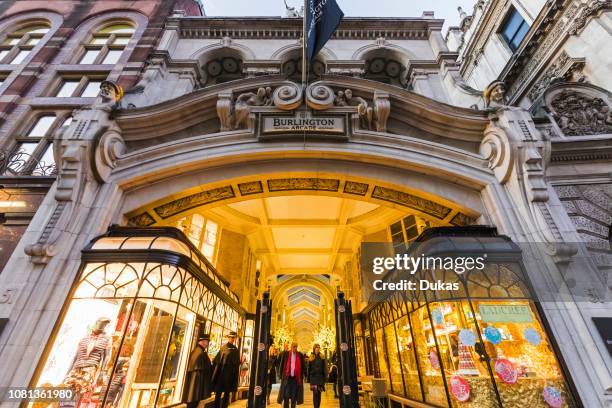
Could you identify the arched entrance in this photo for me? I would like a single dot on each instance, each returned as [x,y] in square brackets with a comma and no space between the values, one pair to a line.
[267,212]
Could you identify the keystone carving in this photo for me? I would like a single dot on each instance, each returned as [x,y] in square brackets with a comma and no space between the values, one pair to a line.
[236,114]
[288,96]
[320,97]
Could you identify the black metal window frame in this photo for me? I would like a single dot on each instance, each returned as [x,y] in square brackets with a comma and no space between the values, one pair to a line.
[17,162]
[193,266]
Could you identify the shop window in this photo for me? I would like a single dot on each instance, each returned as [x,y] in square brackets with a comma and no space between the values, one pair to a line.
[407,357]
[106,45]
[382,361]
[84,87]
[129,327]
[483,345]
[514,29]
[395,368]
[16,47]
[33,154]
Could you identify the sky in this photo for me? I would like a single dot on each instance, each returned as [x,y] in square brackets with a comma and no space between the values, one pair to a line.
[445,9]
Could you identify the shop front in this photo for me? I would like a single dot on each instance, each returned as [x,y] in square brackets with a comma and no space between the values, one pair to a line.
[141,300]
[484,345]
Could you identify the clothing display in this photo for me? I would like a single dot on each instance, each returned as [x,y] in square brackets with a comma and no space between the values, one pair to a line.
[87,367]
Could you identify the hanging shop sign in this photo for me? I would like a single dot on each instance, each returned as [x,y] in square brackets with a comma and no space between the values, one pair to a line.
[532,336]
[460,388]
[506,371]
[467,337]
[493,335]
[505,313]
[553,396]
[302,123]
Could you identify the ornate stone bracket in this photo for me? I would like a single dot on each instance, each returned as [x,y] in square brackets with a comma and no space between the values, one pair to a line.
[86,153]
[518,155]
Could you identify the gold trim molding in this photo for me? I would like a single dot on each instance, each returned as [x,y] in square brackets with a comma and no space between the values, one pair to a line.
[274,185]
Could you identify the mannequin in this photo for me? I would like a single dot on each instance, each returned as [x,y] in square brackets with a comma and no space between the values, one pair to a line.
[89,361]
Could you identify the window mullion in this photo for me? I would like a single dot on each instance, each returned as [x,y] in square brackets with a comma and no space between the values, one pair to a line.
[80,87]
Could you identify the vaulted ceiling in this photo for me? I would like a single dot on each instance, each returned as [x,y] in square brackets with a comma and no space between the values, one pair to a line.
[304,234]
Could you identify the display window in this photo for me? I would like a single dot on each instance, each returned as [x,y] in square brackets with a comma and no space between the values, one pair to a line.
[382,360]
[407,354]
[127,332]
[484,345]
[428,359]
[395,368]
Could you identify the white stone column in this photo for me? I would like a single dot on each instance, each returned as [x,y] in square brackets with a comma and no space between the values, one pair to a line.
[526,208]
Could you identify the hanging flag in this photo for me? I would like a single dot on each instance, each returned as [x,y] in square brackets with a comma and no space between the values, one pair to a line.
[322,19]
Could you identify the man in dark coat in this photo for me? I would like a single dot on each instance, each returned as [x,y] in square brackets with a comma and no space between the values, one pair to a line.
[199,373]
[292,371]
[225,371]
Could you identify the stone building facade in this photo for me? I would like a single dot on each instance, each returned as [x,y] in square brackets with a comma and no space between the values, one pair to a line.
[201,121]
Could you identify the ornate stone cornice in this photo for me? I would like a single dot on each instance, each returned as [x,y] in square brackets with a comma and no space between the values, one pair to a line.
[583,150]
[409,108]
[291,28]
[555,23]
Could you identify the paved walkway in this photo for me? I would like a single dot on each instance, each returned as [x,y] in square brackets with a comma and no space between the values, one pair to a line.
[327,399]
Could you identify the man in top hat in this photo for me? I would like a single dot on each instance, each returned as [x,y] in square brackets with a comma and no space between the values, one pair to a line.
[199,374]
[225,372]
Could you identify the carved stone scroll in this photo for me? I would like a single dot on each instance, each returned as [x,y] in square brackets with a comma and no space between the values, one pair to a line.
[288,97]
[320,97]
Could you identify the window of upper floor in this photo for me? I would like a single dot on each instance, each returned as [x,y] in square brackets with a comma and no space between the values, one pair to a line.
[78,85]
[17,45]
[514,29]
[33,152]
[106,45]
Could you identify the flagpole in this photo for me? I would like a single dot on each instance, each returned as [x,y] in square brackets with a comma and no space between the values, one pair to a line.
[304,57]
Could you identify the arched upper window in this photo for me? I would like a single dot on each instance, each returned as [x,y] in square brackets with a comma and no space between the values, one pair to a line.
[387,66]
[17,45]
[106,45]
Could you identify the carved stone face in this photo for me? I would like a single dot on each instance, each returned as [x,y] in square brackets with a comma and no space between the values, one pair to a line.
[498,93]
[349,94]
[261,92]
[107,92]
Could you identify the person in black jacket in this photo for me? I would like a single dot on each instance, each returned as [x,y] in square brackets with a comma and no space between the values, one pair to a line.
[225,371]
[199,372]
[317,374]
[333,378]
[271,374]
